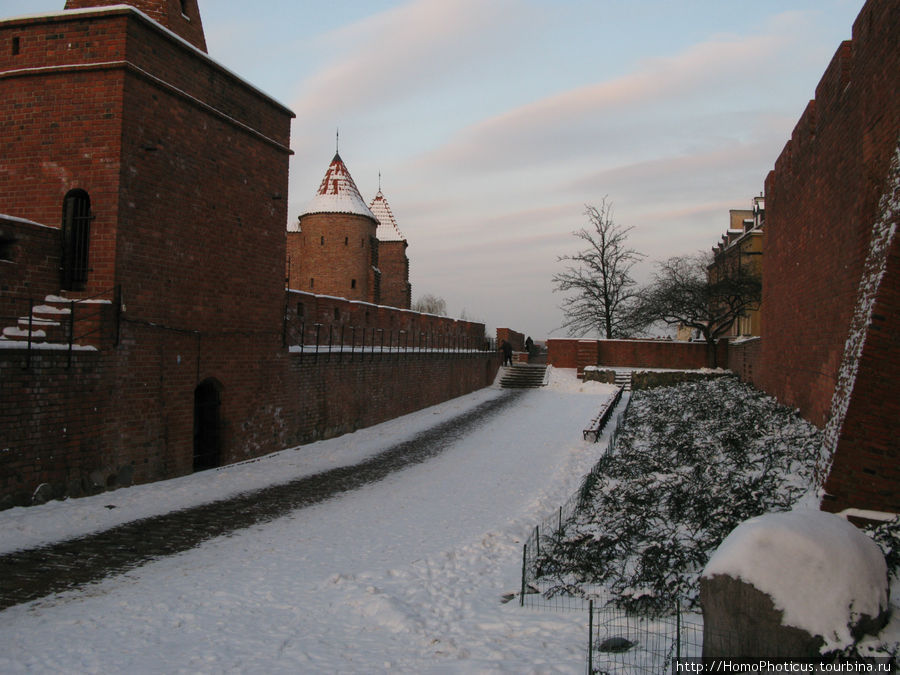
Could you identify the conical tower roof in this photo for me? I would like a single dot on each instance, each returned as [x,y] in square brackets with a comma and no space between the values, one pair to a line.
[338,193]
[387,225]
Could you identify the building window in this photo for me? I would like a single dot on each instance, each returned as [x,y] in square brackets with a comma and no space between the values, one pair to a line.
[337,314]
[346,240]
[312,282]
[6,246]
[76,233]
[300,310]
[184,9]
[353,283]
[322,240]
[16,46]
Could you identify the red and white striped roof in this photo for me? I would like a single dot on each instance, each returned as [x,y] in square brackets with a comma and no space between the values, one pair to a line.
[387,225]
[338,193]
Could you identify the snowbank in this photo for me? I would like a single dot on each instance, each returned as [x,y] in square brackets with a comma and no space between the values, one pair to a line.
[820,570]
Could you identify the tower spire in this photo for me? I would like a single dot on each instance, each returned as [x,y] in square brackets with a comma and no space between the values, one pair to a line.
[337,141]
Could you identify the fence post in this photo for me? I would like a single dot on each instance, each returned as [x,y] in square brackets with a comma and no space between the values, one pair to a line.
[30,329]
[71,332]
[118,312]
[524,565]
[590,636]
[537,541]
[678,628]
[318,327]
[559,532]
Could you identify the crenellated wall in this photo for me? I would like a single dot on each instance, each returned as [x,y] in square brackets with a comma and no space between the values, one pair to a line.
[830,189]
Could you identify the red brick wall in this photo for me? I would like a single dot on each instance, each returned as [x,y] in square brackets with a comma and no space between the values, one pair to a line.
[319,252]
[187,25]
[516,339]
[744,360]
[821,202]
[123,416]
[573,353]
[30,268]
[187,171]
[365,323]
[866,469]
[394,266]
[562,353]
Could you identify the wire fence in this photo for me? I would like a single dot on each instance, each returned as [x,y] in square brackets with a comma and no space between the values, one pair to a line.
[551,530]
[618,641]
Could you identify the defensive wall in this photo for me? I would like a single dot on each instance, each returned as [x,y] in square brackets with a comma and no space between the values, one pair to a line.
[578,353]
[325,320]
[105,417]
[830,343]
[831,318]
[200,358]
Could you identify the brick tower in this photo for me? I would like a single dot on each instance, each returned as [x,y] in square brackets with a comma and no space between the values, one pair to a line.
[333,249]
[392,259]
[182,17]
[137,171]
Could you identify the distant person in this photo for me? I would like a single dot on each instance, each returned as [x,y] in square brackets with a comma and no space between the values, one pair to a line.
[507,350]
[529,345]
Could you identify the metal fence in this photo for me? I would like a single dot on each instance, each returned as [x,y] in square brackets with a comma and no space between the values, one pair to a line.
[618,641]
[61,324]
[342,342]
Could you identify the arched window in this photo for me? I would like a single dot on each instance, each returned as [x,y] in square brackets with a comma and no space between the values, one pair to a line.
[76,235]
[207,425]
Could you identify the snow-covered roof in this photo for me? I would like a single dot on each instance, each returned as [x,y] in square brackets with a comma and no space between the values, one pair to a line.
[387,225]
[338,193]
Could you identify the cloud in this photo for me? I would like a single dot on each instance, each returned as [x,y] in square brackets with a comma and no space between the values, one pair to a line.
[385,59]
[721,73]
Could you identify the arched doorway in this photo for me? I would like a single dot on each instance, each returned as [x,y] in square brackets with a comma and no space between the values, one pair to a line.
[207,425]
[76,235]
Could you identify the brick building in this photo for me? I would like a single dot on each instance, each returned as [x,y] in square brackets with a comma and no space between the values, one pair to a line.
[739,251]
[393,262]
[342,247]
[145,324]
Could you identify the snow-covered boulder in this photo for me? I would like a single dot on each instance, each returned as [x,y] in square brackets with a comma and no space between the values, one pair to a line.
[790,585]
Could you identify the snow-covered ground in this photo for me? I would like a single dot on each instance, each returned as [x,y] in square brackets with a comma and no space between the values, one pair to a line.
[404,575]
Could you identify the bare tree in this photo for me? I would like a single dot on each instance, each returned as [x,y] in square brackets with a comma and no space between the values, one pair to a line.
[430,304]
[702,292]
[599,277]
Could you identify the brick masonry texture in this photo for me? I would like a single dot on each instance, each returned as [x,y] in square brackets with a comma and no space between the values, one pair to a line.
[822,200]
[186,167]
[574,353]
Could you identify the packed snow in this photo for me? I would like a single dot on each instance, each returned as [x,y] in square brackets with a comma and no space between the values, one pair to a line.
[820,570]
[404,575]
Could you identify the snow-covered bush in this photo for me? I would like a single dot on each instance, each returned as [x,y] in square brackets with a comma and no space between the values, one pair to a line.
[691,462]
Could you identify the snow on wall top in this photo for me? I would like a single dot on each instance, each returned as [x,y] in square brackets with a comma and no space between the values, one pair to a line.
[387,225]
[338,193]
[820,570]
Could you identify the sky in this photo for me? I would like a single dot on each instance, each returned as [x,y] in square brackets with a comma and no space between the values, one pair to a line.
[492,123]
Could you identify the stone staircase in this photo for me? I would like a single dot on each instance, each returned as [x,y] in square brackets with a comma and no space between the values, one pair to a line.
[48,323]
[51,323]
[523,376]
[623,379]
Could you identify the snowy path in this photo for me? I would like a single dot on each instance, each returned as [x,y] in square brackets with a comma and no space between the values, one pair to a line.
[404,575]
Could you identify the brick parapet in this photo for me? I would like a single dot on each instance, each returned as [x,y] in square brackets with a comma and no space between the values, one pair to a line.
[821,201]
[372,325]
[575,353]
